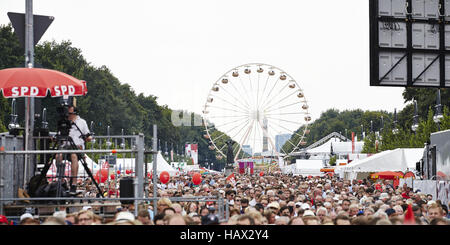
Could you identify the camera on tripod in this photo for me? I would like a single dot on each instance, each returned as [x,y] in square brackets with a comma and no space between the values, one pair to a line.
[64,124]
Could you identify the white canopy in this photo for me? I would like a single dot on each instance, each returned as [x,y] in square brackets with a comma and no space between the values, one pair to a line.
[308,167]
[162,165]
[188,168]
[338,147]
[400,159]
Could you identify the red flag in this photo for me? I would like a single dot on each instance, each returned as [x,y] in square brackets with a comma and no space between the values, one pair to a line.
[409,216]
[231,178]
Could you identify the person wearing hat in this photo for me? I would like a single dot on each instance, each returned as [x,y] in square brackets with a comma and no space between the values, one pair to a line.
[305,206]
[26,216]
[29,221]
[125,218]
[274,206]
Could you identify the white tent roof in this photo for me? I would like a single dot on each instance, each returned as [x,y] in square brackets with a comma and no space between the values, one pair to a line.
[391,160]
[308,164]
[162,165]
[129,163]
[188,168]
[338,147]
[308,167]
[412,156]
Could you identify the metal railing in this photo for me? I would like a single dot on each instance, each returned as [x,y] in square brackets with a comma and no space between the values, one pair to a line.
[222,212]
[12,165]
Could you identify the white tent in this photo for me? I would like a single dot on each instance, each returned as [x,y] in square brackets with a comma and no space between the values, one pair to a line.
[400,159]
[162,165]
[308,167]
[338,147]
[194,167]
[129,163]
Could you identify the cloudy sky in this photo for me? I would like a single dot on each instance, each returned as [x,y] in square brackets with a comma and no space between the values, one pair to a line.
[177,49]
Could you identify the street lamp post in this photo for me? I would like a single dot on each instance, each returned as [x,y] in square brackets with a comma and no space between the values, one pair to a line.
[362,131]
[382,124]
[395,130]
[346,134]
[415,125]
[438,112]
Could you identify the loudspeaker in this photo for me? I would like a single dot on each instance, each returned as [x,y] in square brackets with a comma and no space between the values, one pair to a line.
[126,189]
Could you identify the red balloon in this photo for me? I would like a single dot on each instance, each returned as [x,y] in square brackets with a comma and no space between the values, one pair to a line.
[197,178]
[112,176]
[261,173]
[164,177]
[118,171]
[127,171]
[101,176]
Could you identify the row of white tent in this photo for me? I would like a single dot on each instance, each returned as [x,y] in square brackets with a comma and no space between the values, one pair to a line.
[401,159]
[320,154]
[338,147]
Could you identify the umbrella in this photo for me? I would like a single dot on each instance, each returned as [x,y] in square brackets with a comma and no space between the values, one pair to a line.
[409,175]
[387,175]
[36,82]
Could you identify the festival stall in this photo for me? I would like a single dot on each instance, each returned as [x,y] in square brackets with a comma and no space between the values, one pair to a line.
[401,159]
[308,167]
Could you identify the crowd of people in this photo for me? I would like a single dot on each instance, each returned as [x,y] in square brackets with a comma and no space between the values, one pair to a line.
[272,199]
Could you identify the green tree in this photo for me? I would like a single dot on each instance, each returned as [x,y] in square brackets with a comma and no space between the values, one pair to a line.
[11,55]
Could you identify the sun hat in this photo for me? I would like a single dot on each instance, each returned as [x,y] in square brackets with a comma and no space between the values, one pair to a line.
[384,195]
[26,215]
[305,206]
[87,207]
[308,213]
[274,205]
[60,214]
[124,216]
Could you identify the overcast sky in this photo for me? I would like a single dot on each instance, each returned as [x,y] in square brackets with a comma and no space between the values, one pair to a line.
[177,49]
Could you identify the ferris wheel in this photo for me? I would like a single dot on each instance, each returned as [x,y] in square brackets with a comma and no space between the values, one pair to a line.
[261,108]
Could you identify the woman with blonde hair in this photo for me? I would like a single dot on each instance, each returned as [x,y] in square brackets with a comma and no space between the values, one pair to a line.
[163,203]
[85,217]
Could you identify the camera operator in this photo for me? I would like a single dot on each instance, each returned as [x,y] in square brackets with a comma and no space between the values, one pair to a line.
[79,132]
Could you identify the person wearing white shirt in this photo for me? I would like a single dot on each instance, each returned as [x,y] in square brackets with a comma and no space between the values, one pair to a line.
[79,132]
